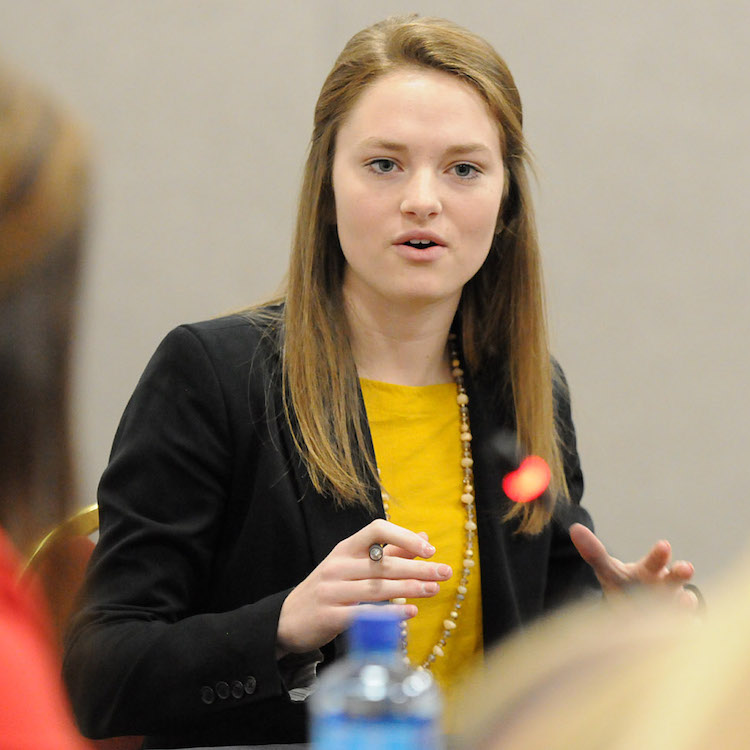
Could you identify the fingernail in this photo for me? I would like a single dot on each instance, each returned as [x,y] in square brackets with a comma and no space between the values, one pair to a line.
[428,550]
[444,571]
[430,588]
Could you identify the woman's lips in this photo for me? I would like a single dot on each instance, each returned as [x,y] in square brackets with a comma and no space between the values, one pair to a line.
[422,254]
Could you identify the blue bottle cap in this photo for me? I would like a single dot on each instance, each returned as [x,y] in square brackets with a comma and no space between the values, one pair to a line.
[374,629]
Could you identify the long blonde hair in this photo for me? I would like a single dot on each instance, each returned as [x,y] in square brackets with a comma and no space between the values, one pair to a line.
[501,310]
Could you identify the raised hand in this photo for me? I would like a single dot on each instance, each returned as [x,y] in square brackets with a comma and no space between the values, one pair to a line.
[321,606]
[653,569]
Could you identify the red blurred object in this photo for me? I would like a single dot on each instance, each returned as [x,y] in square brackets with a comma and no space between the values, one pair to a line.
[528,481]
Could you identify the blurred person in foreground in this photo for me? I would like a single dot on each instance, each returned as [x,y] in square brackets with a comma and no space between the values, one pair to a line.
[638,674]
[43,176]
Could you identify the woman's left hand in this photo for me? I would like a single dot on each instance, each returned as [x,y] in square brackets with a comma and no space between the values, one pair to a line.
[652,570]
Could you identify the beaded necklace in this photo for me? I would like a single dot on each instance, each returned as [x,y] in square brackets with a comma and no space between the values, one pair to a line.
[470,526]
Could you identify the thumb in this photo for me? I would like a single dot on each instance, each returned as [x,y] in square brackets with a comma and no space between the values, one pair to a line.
[610,572]
[588,545]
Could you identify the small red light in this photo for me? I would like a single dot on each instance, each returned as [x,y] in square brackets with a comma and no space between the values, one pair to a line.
[528,481]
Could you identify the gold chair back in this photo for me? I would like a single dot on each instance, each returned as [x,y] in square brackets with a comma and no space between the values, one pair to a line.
[59,565]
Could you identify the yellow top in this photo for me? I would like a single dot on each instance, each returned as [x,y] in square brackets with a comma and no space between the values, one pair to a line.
[415,432]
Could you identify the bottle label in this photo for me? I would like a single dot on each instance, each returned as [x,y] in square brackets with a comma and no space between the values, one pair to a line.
[340,732]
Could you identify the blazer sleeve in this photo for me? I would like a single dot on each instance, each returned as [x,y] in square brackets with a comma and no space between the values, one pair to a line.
[143,655]
[569,577]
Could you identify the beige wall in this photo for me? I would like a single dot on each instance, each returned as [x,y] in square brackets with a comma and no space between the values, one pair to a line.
[639,116]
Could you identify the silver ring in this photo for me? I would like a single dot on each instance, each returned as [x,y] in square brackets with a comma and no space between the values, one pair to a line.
[376,552]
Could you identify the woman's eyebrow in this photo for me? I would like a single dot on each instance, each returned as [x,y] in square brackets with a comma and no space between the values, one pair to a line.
[466,148]
[455,150]
[384,144]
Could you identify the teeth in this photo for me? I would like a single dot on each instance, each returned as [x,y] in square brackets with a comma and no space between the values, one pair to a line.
[419,242]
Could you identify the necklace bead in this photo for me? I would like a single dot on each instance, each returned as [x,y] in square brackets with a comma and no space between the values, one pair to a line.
[470,527]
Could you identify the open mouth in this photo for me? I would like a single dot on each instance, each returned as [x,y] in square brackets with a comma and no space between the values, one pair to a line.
[420,244]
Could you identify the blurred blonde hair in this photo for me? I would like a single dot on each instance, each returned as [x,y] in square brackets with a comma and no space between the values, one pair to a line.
[639,675]
[43,179]
[502,308]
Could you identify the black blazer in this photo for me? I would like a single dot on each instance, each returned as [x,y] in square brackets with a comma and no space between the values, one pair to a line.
[208,519]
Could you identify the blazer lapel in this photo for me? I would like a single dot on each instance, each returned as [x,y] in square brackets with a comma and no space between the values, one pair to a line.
[328,523]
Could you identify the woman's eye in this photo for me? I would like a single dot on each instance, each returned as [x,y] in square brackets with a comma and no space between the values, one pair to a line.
[466,170]
[382,166]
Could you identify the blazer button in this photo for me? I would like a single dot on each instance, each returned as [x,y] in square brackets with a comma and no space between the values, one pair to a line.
[250,684]
[207,695]
[238,689]
[222,690]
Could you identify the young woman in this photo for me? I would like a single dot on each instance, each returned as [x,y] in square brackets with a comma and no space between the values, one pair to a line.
[265,459]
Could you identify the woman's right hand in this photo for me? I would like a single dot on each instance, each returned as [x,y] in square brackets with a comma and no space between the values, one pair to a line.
[321,607]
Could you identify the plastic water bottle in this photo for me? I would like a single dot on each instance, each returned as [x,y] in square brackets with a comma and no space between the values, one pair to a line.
[371,700]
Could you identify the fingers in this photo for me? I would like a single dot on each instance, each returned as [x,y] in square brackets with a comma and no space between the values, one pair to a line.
[396,551]
[652,569]
[350,576]
[384,589]
[402,611]
[615,575]
[655,568]
[391,566]
[381,531]
[680,572]
[320,607]
[657,559]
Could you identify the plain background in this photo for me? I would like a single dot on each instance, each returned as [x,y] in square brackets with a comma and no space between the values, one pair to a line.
[638,115]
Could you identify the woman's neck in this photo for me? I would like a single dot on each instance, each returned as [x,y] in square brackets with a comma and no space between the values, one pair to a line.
[405,345]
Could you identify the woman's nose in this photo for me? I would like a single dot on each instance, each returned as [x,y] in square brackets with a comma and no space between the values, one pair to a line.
[421,197]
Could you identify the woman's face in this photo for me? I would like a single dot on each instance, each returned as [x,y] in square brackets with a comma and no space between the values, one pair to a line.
[417,180]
